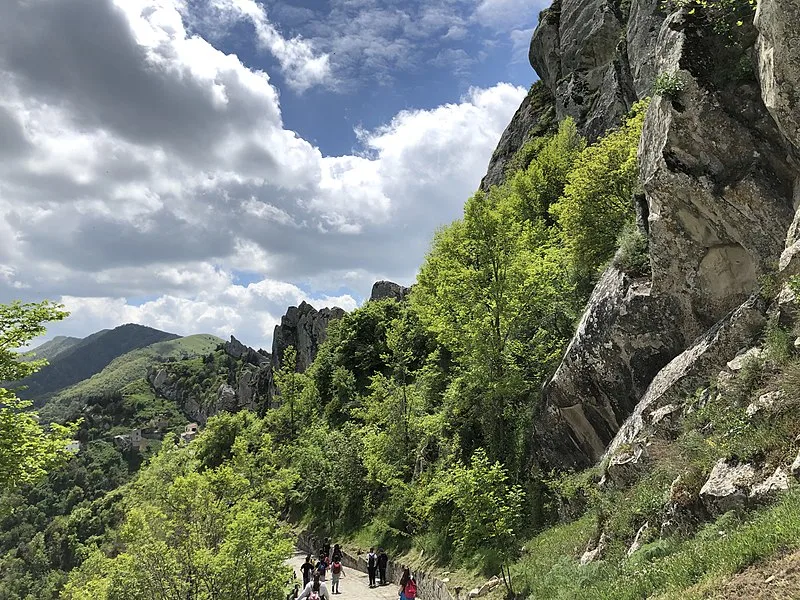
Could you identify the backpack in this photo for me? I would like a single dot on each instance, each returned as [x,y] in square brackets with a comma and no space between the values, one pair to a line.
[337,568]
[411,589]
[371,560]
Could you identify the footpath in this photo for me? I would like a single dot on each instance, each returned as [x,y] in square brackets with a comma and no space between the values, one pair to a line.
[353,586]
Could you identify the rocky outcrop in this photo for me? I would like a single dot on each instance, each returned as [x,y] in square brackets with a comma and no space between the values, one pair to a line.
[626,336]
[779,63]
[388,289]
[535,117]
[727,487]
[237,349]
[676,382]
[582,51]
[305,328]
[719,183]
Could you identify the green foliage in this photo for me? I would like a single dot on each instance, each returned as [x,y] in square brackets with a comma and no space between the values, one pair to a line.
[27,451]
[633,256]
[132,366]
[197,529]
[668,84]
[596,204]
[725,16]
[88,357]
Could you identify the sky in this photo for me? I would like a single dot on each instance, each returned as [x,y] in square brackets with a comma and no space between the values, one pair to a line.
[200,165]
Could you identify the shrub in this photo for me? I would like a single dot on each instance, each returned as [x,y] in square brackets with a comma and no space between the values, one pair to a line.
[633,256]
[668,85]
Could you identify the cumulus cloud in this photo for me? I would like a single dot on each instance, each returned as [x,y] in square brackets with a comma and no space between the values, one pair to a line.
[147,176]
[508,15]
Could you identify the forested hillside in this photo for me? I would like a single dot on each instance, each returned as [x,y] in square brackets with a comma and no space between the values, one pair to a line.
[83,359]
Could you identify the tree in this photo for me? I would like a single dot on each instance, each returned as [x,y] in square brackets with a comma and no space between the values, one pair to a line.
[597,200]
[27,450]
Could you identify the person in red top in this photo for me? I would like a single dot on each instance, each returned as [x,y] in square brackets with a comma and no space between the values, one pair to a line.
[337,571]
[408,585]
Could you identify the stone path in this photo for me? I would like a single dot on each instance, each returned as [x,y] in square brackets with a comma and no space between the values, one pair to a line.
[353,586]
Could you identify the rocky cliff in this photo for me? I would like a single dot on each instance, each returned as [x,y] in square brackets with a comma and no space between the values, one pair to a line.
[238,377]
[718,172]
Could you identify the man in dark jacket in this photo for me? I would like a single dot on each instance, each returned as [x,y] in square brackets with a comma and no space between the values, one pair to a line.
[383,562]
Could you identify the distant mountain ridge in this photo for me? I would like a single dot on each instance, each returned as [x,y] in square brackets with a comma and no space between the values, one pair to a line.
[53,348]
[84,358]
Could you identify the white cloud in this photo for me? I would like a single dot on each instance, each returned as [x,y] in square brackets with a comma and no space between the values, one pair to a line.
[301,65]
[507,15]
[146,175]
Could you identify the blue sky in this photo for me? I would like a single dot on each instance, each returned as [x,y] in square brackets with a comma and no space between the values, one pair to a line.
[451,53]
[200,165]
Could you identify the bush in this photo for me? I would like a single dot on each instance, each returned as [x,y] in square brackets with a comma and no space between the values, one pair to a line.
[668,85]
[633,256]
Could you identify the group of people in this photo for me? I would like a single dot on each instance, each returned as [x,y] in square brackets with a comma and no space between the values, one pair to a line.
[315,573]
[328,561]
[376,565]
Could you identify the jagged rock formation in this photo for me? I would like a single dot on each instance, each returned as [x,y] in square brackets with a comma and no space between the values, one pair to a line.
[305,328]
[719,173]
[252,385]
[596,57]
[388,289]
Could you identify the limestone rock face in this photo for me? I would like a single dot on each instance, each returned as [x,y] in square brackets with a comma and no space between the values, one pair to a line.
[304,328]
[676,382]
[626,336]
[388,289]
[582,51]
[779,63]
[719,183]
[728,487]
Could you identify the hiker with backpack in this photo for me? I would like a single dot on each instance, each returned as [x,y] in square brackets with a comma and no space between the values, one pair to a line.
[372,565]
[408,585]
[383,562]
[315,590]
[337,552]
[337,571]
[322,567]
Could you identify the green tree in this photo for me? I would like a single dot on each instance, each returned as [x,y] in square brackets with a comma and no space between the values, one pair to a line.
[27,450]
[597,200]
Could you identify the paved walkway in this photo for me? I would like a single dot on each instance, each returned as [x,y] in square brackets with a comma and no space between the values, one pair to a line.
[353,586]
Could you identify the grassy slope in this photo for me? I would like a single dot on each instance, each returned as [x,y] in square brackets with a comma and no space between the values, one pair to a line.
[703,563]
[132,366]
[91,355]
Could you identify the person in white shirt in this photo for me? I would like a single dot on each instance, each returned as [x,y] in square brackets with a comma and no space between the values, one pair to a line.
[315,590]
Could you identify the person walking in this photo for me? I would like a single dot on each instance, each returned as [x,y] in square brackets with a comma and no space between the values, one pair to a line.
[315,590]
[408,585]
[307,569]
[322,567]
[337,571]
[326,547]
[383,562]
[337,552]
[372,564]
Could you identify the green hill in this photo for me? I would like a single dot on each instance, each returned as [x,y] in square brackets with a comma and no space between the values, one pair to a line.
[53,348]
[88,357]
[132,366]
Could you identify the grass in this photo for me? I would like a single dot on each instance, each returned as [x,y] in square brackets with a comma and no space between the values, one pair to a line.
[722,548]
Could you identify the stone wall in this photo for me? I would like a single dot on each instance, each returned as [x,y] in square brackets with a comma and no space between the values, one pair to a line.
[429,587]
